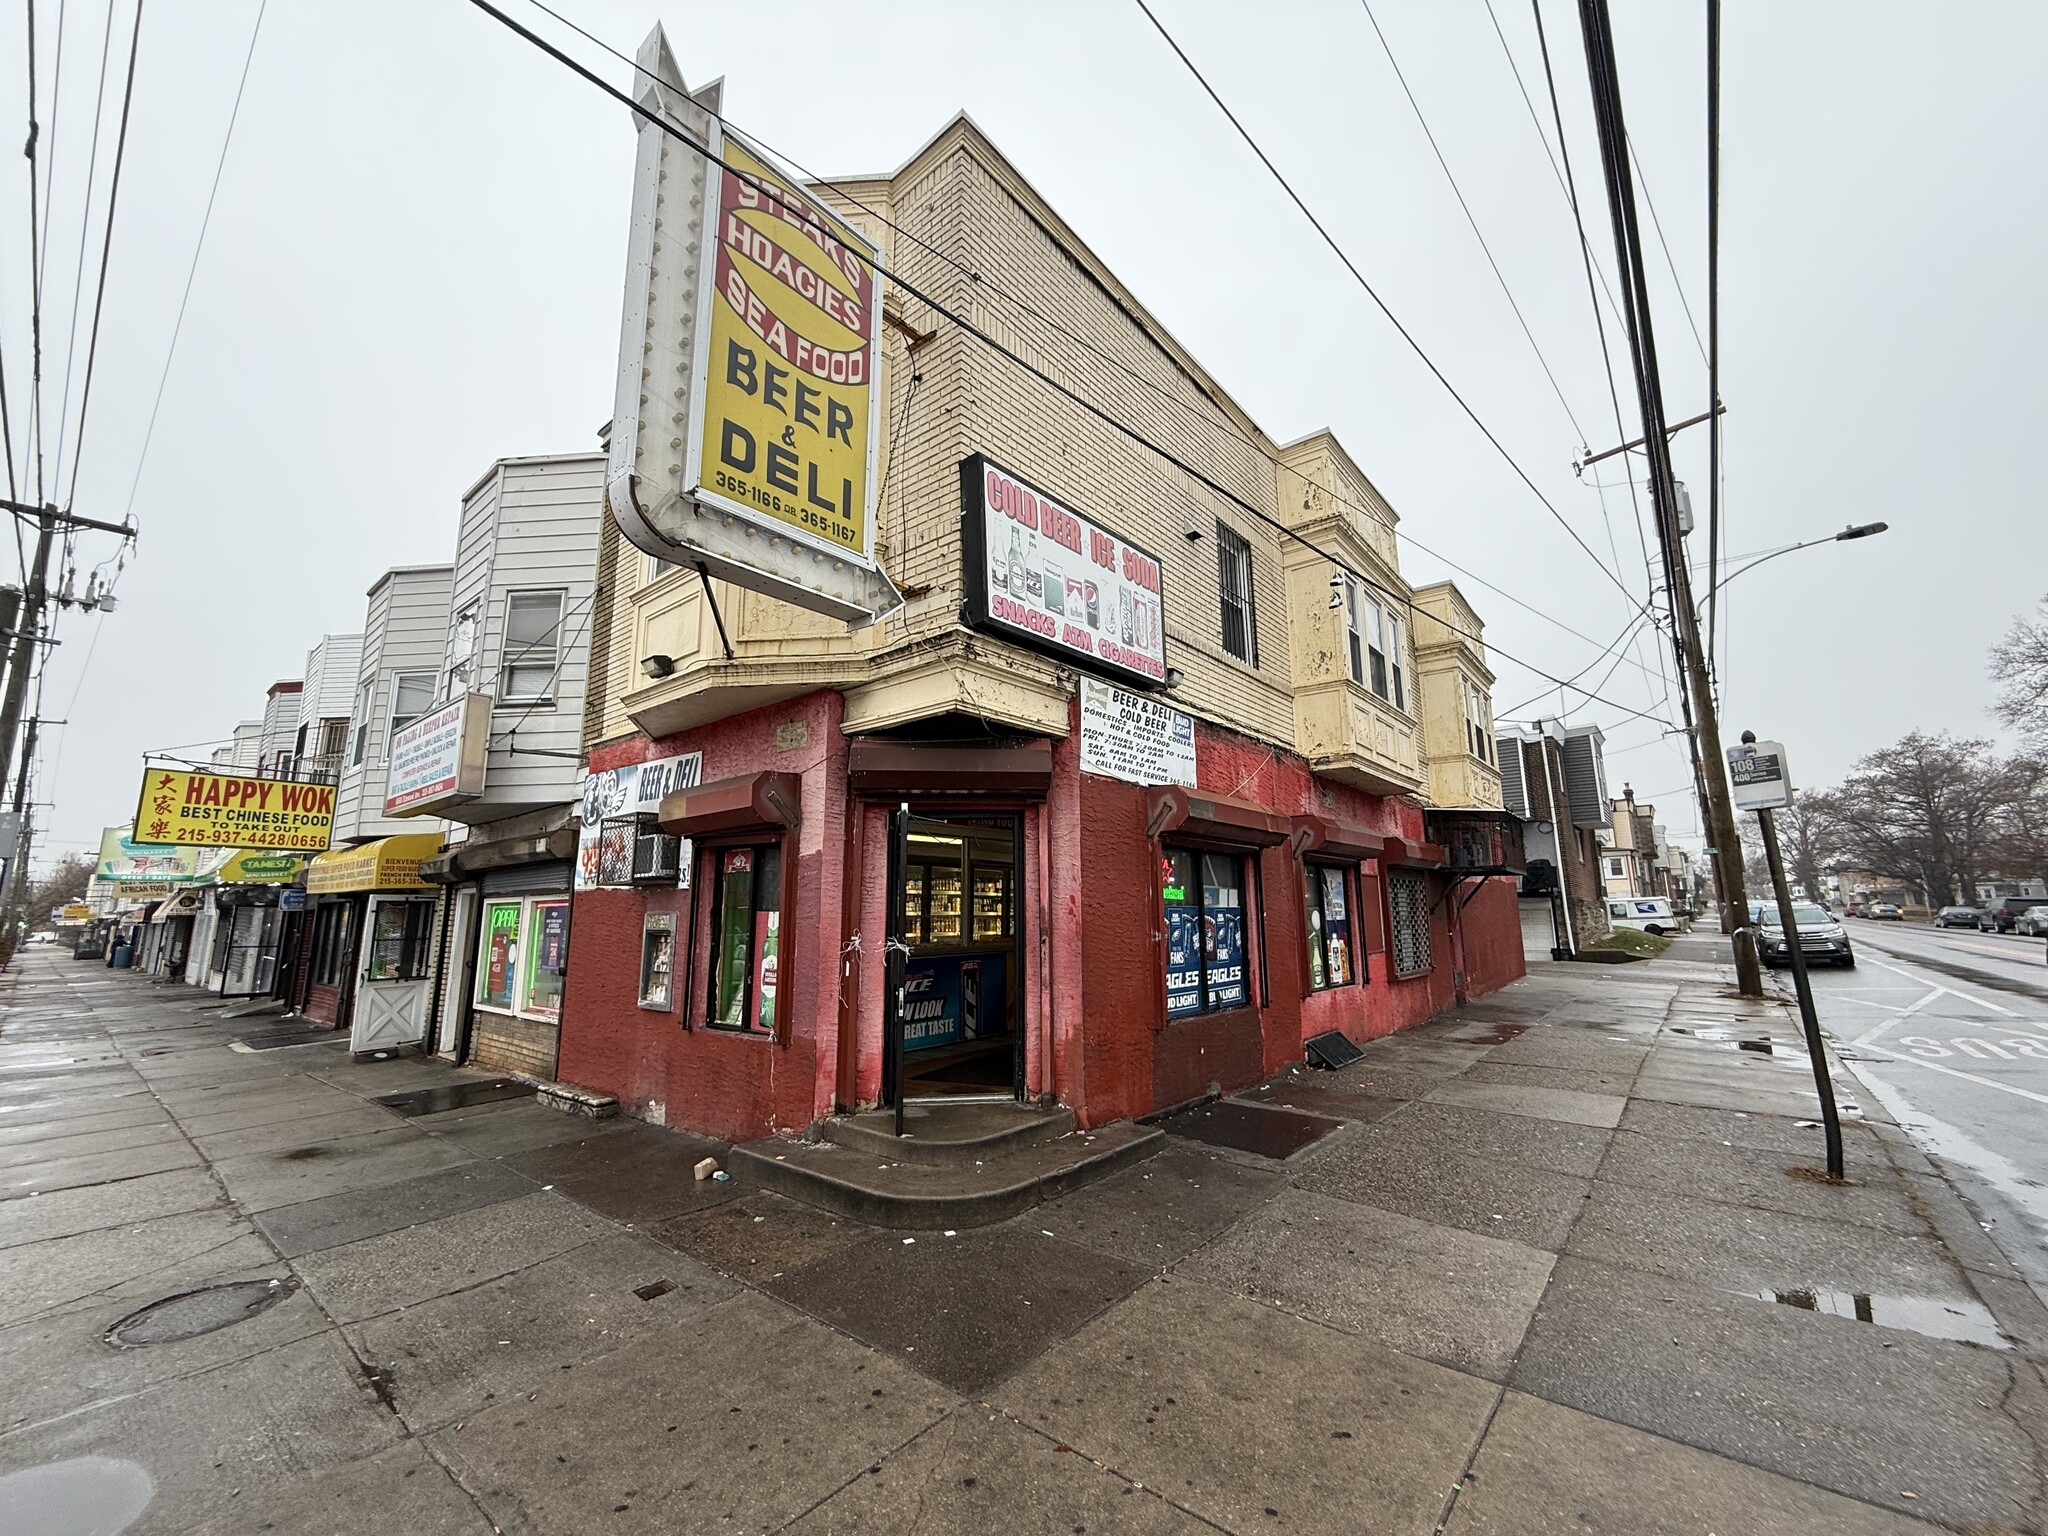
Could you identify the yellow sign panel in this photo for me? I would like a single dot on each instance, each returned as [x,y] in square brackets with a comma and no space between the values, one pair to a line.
[256,866]
[388,864]
[76,912]
[787,415]
[219,810]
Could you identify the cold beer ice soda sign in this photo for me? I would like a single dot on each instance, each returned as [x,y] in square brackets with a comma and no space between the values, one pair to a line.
[1043,574]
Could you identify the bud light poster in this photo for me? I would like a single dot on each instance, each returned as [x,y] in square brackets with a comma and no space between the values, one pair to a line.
[950,999]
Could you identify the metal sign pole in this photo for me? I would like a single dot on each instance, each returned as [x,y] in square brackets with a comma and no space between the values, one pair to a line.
[1830,1117]
[894,952]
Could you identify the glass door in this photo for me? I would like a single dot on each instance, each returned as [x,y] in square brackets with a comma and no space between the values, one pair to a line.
[961,983]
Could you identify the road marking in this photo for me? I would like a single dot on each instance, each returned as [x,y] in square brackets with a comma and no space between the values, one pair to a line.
[1968,1077]
[1975,1002]
[1903,1014]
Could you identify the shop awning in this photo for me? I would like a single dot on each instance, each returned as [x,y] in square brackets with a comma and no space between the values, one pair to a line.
[1336,839]
[1478,840]
[1215,817]
[184,904]
[754,800]
[1022,772]
[1413,852]
[388,864]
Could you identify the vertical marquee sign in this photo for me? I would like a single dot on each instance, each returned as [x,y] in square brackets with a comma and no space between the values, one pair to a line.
[748,413]
[1054,579]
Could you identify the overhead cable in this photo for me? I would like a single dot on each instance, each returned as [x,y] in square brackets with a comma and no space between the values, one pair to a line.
[970,328]
[986,284]
[1373,294]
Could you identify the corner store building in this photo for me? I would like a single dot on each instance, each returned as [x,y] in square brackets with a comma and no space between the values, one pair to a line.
[1117,946]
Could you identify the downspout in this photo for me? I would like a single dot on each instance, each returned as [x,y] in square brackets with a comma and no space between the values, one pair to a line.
[1564,888]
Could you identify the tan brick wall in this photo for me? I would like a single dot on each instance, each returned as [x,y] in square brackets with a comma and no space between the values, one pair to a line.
[949,394]
[506,1044]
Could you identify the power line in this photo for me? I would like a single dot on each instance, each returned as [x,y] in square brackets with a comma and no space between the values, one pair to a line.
[106,251]
[1222,424]
[971,329]
[1658,225]
[1381,304]
[178,326]
[1458,192]
[35,319]
[92,169]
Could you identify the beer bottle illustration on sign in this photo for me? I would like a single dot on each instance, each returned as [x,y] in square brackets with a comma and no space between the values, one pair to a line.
[1017,563]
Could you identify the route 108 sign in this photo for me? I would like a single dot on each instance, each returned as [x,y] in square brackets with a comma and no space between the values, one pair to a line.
[1760,775]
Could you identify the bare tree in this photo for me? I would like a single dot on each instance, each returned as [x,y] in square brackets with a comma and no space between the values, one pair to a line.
[1927,810]
[2020,661]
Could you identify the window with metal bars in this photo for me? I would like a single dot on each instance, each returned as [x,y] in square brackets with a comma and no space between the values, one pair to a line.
[1234,577]
[1408,914]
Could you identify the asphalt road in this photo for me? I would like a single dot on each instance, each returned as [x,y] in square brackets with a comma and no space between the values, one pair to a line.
[1948,1029]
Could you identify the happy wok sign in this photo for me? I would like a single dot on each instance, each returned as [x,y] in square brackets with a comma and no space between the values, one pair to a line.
[218,810]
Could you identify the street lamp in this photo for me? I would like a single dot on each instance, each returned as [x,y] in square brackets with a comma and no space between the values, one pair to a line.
[1853,531]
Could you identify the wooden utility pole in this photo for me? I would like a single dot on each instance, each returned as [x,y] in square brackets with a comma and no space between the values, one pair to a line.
[1704,719]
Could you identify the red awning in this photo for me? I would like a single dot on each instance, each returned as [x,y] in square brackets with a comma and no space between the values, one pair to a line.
[1336,839]
[898,768]
[768,801]
[1220,820]
[1409,851]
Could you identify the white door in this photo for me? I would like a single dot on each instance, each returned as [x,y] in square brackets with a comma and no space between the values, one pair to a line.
[454,1001]
[395,974]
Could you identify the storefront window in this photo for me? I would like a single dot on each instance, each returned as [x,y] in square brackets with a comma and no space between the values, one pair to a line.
[495,976]
[1203,895]
[1408,911]
[333,926]
[1332,958]
[401,936]
[746,918]
[547,949]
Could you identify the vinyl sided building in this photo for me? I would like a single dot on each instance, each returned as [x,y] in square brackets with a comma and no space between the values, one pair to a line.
[1137,791]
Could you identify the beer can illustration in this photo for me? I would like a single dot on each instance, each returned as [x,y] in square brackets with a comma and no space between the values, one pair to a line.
[1094,599]
[1055,585]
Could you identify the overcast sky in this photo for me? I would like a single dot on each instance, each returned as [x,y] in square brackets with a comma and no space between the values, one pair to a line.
[413,269]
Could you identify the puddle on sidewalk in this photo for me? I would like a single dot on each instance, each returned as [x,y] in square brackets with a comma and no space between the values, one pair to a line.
[86,1496]
[1966,1322]
[434,1101]
[1493,1034]
[1268,1131]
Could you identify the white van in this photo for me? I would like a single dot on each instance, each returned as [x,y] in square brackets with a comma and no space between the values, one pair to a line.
[1652,914]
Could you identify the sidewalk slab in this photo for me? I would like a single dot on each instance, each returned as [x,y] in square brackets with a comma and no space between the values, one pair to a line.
[1425,1290]
[1550,1471]
[1492,1198]
[349,1217]
[1569,1105]
[979,1471]
[1253,1418]
[35,1218]
[1873,1413]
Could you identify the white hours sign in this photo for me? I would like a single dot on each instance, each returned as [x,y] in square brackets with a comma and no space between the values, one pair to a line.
[1760,776]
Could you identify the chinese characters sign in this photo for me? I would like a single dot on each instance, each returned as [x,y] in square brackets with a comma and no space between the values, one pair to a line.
[217,810]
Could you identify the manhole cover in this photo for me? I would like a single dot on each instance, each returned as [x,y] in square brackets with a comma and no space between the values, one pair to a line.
[191,1313]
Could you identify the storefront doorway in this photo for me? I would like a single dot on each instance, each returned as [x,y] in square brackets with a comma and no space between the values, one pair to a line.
[395,983]
[956,895]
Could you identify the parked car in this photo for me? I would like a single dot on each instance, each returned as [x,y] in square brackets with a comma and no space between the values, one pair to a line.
[1821,938]
[2032,923]
[1651,914]
[1854,909]
[2003,916]
[1958,917]
[1887,911]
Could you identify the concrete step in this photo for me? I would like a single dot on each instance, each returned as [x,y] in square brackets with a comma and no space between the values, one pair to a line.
[936,1131]
[965,1191]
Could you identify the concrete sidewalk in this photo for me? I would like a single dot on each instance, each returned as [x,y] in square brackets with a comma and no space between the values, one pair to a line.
[1550,1264]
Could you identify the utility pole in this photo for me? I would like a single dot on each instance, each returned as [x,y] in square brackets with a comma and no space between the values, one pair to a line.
[1704,720]
[28,629]
[17,869]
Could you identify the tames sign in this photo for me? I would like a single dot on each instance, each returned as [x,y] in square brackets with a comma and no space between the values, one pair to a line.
[219,810]
[1049,577]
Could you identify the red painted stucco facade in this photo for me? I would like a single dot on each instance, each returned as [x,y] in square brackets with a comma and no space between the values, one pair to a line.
[1091,999]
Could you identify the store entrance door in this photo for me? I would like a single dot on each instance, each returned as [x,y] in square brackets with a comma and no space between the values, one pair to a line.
[393,982]
[958,887]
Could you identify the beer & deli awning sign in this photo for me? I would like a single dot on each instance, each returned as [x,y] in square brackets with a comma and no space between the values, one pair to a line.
[747,414]
[1052,578]
[219,810]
